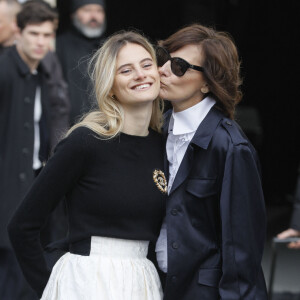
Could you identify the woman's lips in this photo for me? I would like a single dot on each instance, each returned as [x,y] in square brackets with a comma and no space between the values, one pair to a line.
[142,86]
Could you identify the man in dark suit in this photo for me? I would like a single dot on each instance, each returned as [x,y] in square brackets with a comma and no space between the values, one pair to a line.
[74,48]
[33,115]
[212,239]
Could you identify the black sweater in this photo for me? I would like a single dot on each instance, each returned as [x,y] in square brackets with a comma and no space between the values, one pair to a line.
[109,191]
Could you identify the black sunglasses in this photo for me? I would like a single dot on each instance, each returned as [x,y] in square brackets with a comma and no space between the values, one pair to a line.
[178,65]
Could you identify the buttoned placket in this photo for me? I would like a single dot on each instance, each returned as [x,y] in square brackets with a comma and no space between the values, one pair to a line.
[176,148]
[179,141]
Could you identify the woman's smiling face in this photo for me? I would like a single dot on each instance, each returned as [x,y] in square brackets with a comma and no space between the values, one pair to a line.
[137,78]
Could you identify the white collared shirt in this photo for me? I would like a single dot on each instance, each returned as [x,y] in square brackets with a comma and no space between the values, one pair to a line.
[37,114]
[182,128]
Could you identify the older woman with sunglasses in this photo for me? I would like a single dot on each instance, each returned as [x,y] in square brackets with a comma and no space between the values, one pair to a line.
[212,238]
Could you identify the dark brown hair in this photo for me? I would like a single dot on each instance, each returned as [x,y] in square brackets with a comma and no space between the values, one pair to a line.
[221,62]
[35,12]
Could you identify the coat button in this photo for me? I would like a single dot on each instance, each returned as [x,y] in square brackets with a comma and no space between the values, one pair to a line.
[22,177]
[27,125]
[27,100]
[175,245]
[174,278]
[174,212]
[25,151]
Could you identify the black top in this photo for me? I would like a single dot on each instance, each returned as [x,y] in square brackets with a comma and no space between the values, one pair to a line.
[109,190]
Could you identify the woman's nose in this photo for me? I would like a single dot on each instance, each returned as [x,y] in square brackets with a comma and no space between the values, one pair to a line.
[165,70]
[140,74]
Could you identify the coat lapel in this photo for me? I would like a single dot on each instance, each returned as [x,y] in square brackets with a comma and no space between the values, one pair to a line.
[184,168]
[201,139]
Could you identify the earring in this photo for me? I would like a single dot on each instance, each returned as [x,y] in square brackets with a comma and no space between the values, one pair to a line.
[113,97]
[204,90]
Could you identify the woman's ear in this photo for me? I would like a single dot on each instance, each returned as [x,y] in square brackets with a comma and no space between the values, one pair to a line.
[204,89]
[111,94]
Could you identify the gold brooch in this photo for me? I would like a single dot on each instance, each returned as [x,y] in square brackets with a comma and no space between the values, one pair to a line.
[160,180]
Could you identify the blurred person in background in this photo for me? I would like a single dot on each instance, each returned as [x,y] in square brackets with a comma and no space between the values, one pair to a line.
[8,25]
[57,91]
[294,230]
[58,88]
[33,115]
[74,47]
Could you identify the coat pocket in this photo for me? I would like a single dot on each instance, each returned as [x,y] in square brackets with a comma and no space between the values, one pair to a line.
[210,277]
[202,188]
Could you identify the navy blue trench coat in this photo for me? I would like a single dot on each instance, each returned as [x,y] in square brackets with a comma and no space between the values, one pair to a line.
[216,217]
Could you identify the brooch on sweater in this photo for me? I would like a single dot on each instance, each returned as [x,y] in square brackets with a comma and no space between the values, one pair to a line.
[160,180]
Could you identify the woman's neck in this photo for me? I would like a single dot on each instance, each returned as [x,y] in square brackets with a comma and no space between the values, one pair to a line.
[137,119]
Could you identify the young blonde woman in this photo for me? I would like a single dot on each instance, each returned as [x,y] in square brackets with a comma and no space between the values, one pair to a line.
[109,168]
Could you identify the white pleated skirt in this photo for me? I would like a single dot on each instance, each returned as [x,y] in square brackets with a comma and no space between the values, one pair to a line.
[116,269]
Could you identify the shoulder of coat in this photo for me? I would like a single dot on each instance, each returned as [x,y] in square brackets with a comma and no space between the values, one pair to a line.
[235,132]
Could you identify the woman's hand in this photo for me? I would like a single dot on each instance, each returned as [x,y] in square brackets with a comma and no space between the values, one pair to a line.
[291,233]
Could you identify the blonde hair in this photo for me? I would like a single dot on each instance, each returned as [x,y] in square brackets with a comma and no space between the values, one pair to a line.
[109,119]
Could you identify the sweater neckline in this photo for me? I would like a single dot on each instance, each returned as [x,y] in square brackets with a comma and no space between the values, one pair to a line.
[136,137]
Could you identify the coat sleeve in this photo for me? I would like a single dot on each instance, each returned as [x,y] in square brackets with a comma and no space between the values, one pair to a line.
[58,97]
[243,224]
[57,178]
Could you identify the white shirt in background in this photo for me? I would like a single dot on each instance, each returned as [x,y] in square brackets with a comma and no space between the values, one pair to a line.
[37,114]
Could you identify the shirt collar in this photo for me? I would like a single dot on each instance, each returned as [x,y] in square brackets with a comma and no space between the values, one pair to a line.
[21,65]
[188,120]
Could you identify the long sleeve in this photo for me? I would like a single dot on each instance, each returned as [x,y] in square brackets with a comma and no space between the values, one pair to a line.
[58,97]
[243,226]
[56,180]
